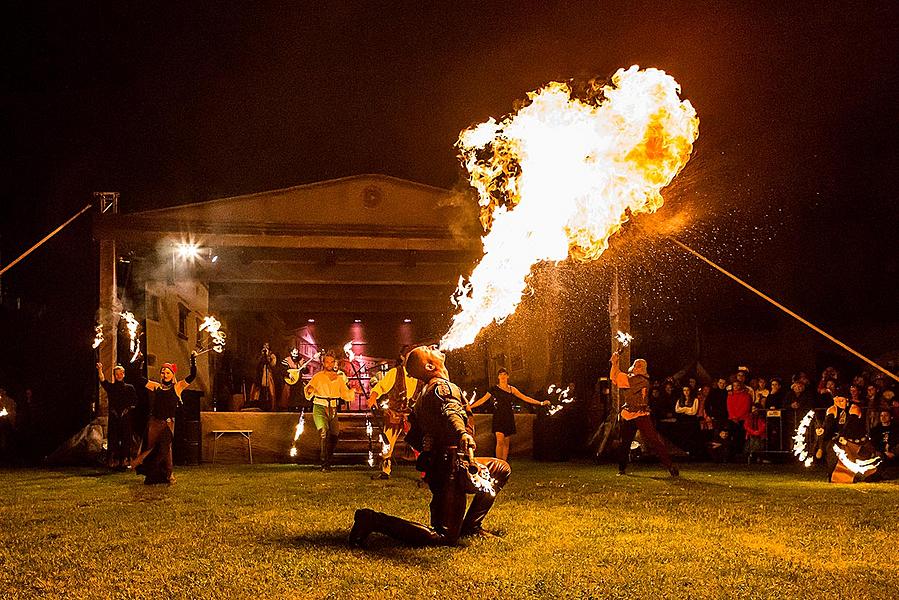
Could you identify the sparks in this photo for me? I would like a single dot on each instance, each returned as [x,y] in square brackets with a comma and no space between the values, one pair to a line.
[561,399]
[481,479]
[558,178]
[623,338]
[799,443]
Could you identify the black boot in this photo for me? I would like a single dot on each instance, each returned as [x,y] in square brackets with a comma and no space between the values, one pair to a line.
[363,522]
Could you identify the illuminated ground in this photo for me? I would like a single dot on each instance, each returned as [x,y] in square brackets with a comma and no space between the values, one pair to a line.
[566,531]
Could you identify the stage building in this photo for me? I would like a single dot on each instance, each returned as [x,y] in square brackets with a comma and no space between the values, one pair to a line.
[370,259]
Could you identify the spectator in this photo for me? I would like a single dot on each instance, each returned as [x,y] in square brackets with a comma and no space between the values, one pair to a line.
[829,373]
[760,387]
[826,394]
[739,408]
[716,403]
[890,399]
[688,434]
[775,400]
[885,438]
[799,401]
[667,400]
[756,432]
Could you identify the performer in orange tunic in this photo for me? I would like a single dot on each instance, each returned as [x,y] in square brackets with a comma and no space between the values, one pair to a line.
[400,388]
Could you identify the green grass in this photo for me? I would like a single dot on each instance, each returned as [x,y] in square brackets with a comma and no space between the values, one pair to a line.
[566,530]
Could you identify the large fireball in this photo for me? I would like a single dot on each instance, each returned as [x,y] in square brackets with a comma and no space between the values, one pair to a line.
[557,179]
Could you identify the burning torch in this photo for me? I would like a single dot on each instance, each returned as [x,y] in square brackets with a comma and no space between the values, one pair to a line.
[216,336]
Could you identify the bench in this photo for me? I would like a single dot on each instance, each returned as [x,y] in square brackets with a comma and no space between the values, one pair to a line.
[242,432]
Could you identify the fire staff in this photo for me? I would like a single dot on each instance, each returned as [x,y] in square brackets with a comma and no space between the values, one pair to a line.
[446,441]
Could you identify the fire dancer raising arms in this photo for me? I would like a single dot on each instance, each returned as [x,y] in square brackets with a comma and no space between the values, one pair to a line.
[165,395]
[327,389]
[399,388]
[503,415]
[122,400]
[635,413]
[447,448]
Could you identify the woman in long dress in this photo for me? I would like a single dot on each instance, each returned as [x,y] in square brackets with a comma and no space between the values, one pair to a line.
[503,415]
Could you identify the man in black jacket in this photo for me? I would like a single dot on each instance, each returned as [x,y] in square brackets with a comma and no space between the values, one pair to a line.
[122,400]
[445,439]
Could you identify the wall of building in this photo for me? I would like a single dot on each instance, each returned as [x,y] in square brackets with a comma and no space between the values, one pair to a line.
[167,341]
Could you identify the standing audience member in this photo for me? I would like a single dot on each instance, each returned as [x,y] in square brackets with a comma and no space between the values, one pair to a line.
[689,435]
[775,399]
[739,408]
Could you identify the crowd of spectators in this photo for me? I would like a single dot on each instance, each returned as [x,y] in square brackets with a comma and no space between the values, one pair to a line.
[742,416]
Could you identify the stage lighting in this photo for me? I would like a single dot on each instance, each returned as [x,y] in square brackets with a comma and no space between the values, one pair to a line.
[188,251]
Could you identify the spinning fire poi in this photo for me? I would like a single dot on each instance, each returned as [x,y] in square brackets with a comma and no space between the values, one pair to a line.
[216,336]
[560,177]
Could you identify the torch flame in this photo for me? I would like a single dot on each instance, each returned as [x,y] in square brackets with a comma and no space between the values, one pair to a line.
[559,178]
[216,335]
[348,350]
[98,336]
[3,412]
[133,325]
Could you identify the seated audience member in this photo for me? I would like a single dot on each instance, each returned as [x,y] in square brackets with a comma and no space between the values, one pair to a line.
[885,437]
[828,374]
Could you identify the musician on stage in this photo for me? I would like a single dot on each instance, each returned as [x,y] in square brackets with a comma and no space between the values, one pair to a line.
[399,388]
[445,437]
[291,392]
[120,446]
[155,462]
[263,388]
[327,389]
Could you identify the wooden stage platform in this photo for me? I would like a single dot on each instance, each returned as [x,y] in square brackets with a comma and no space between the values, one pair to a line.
[273,434]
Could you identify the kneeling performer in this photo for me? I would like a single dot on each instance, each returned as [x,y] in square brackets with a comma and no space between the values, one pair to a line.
[447,447]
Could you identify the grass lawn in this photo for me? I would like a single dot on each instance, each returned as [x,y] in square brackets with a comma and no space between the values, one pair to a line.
[566,530]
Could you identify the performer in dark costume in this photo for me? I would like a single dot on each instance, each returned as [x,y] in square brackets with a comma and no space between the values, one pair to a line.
[262,392]
[503,414]
[442,431]
[635,413]
[120,446]
[155,462]
[399,388]
[849,453]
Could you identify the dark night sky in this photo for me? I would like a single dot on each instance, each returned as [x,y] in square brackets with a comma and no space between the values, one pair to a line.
[791,185]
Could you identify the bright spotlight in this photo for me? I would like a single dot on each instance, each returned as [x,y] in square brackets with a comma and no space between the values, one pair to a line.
[188,251]
[407,320]
[311,321]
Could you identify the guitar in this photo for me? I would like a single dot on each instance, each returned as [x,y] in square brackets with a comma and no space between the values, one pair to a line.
[293,375]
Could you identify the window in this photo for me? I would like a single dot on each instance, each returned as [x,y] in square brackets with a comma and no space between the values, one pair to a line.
[153,307]
[183,313]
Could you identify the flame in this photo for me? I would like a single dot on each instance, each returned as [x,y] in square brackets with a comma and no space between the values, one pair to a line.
[371,459]
[624,338]
[562,398]
[216,336]
[348,350]
[368,429]
[293,452]
[559,177]
[799,446]
[98,336]
[859,467]
[3,412]
[133,325]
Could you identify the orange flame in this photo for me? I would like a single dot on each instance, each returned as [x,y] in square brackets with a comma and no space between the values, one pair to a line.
[558,179]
